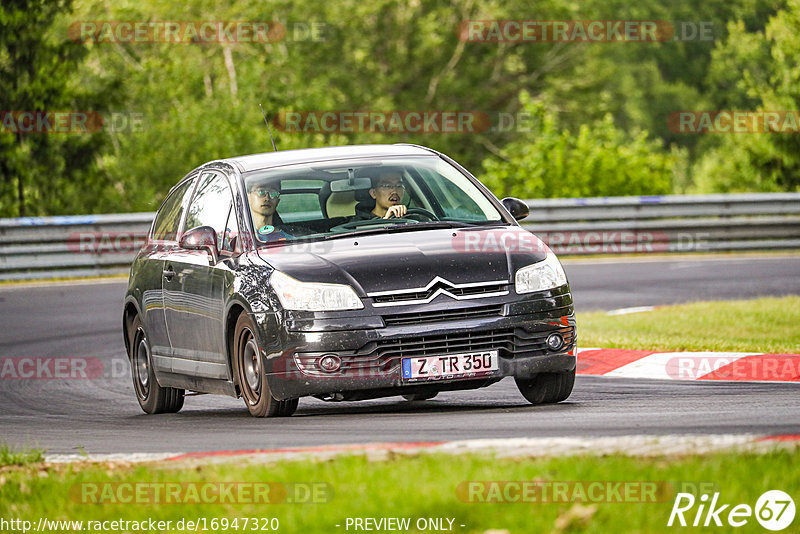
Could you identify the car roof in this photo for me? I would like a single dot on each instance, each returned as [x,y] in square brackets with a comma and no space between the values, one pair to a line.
[254,162]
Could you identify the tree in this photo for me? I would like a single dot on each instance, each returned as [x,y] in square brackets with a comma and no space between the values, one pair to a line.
[199,101]
[43,172]
[598,160]
[767,79]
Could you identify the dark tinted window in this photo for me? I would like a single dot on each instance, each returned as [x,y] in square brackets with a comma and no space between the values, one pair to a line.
[169,216]
[300,206]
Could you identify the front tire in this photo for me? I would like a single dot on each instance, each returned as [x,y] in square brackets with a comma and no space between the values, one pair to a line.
[251,374]
[547,388]
[152,397]
[289,407]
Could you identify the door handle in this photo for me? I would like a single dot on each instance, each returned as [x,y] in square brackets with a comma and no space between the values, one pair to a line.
[168,273]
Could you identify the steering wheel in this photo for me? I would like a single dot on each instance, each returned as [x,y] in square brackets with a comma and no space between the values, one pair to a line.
[420,211]
[352,225]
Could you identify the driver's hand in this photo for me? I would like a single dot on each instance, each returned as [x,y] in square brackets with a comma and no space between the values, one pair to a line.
[397,210]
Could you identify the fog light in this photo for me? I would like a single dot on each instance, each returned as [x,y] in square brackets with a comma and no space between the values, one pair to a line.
[555,341]
[330,363]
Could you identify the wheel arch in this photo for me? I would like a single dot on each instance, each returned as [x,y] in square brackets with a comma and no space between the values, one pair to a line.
[130,310]
[235,309]
[236,306]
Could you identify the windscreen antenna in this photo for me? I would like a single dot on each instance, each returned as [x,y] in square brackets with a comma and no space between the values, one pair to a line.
[270,131]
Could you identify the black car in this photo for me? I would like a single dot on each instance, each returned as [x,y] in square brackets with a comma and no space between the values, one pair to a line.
[343,273]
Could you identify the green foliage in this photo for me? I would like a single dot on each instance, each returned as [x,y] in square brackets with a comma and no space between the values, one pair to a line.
[9,456]
[598,160]
[199,101]
[757,71]
[57,172]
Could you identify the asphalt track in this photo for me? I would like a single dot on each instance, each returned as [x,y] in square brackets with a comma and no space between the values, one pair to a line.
[100,415]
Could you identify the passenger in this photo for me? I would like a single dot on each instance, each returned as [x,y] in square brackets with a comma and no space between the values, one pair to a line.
[264,199]
[388,190]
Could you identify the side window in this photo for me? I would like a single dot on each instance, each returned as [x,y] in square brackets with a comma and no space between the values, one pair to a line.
[210,205]
[230,238]
[169,216]
[300,206]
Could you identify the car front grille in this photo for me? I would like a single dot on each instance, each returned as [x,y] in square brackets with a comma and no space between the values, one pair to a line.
[439,287]
[382,358]
[400,319]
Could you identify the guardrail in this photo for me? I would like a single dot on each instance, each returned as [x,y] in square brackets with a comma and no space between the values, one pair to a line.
[80,245]
[86,245]
[669,223]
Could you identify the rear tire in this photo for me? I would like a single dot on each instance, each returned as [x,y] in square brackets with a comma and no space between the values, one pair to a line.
[152,397]
[252,379]
[420,396]
[547,388]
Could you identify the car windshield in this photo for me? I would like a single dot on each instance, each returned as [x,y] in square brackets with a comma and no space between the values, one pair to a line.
[326,200]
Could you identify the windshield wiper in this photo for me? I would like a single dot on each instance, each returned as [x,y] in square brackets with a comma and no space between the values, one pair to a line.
[433,224]
[400,227]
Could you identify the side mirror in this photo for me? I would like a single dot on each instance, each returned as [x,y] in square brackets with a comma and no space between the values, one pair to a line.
[201,238]
[517,208]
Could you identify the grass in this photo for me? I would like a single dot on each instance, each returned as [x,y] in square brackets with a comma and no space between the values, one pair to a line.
[423,486]
[23,457]
[761,325]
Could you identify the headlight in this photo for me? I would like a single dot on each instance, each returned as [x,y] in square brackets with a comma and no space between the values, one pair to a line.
[307,296]
[547,274]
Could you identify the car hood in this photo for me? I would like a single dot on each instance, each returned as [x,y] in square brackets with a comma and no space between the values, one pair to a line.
[410,259]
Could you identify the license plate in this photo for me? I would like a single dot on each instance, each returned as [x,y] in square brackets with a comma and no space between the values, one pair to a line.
[450,366]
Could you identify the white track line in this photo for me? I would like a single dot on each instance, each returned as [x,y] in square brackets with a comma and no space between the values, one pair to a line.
[634,445]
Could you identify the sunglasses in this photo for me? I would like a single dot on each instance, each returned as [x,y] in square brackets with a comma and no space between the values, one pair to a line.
[262,193]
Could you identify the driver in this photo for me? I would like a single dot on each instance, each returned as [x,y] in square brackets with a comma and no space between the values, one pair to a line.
[388,190]
[263,200]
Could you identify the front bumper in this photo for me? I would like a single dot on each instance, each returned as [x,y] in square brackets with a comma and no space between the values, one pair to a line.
[371,346]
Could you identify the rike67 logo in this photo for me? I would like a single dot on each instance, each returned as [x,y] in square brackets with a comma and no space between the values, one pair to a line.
[774,510]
